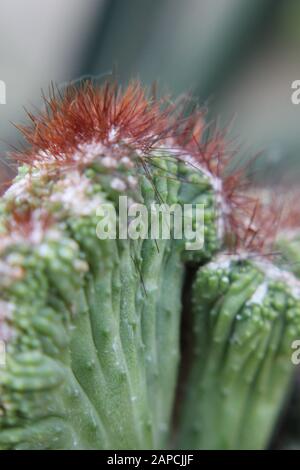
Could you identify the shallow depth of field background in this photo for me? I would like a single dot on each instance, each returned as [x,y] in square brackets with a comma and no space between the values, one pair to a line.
[240,56]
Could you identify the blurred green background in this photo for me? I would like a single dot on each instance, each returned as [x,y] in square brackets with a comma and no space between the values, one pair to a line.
[239,55]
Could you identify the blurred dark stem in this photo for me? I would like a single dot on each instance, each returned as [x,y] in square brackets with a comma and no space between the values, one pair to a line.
[118,35]
[251,29]
[120,32]
[287,433]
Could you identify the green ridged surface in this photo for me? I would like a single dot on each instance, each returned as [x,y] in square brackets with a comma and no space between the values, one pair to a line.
[241,366]
[289,250]
[93,358]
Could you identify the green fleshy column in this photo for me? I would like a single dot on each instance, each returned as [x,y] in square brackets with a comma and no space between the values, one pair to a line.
[172,181]
[43,405]
[93,354]
[99,398]
[160,265]
[288,246]
[289,251]
[245,316]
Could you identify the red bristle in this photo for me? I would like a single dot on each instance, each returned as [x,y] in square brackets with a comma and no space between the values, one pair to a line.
[89,114]
[290,217]
[257,228]
[23,221]
[214,154]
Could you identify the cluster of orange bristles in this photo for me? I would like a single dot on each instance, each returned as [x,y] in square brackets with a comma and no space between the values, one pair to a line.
[87,114]
[23,222]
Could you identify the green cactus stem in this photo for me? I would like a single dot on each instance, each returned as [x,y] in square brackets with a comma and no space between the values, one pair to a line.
[90,316]
[245,316]
[92,325]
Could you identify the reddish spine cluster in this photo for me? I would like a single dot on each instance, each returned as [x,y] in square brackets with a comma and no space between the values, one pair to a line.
[131,120]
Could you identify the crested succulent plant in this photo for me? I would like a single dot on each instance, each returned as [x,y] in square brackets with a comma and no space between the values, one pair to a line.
[90,317]
[246,315]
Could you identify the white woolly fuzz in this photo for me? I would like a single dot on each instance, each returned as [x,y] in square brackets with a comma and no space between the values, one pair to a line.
[73,193]
[6,310]
[220,262]
[259,295]
[9,273]
[271,272]
[277,274]
[118,184]
[6,313]
[19,190]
